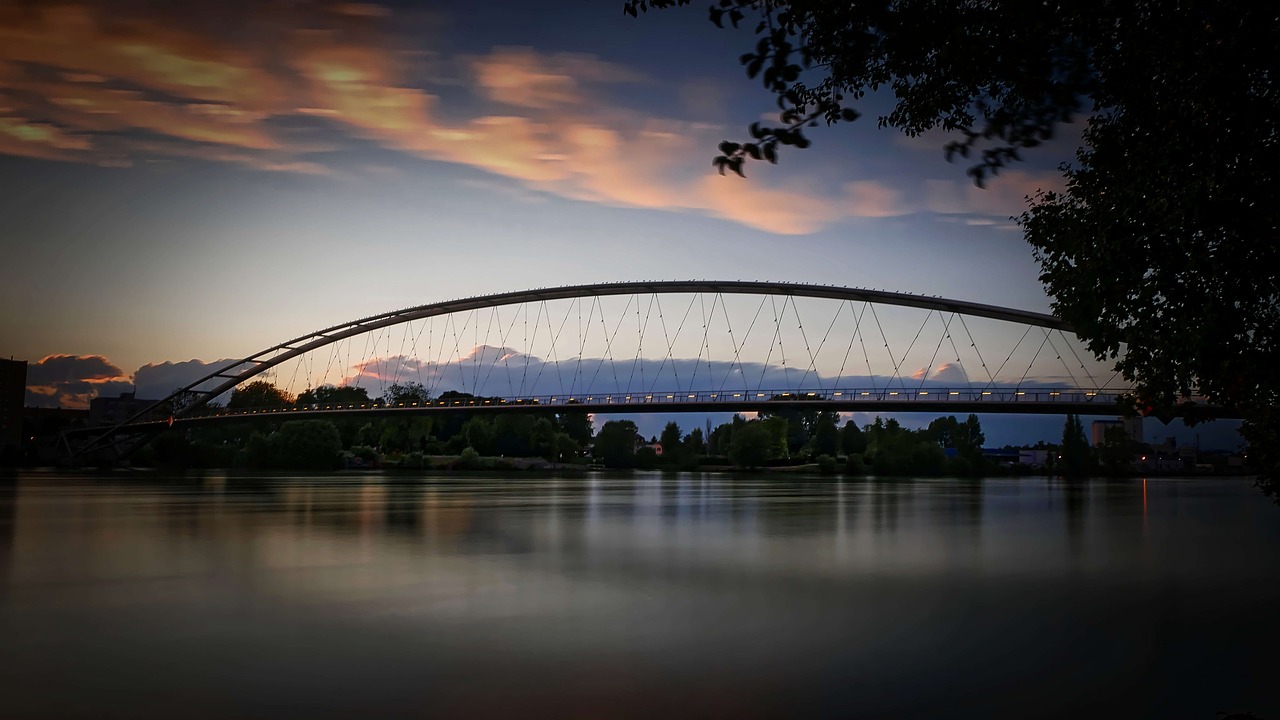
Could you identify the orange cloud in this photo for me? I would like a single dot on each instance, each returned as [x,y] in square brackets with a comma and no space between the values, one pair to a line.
[525,78]
[19,136]
[79,38]
[81,80]
[873,200]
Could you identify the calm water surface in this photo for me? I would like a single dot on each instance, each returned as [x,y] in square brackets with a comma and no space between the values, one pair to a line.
[603,596]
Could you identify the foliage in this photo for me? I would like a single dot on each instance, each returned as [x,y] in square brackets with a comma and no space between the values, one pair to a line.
[1075,453]
[172,449]
[966,438]
[404,433]
[406,394]
[333,395]
[693,443]
[305,444]
[365,453]
[750,445]
[852,440]
[826,464]
[566,449]
[803,425]
[855,466]
[478,433]
[258,394]
[1163,242]
[826,435]
[672,449]
[1116,450]
[576,425]
[777,429]
[646,458]
[468,460]
[615,444]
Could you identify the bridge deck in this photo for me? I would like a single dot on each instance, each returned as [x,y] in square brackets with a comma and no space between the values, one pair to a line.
[933,400]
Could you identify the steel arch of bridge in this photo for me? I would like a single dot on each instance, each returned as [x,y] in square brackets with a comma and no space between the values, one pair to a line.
[239,371]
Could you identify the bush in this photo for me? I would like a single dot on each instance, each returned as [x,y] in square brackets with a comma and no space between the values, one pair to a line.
[306,444]
[826,464]
[646,458]
[468,460]
[855,466]
[365,453]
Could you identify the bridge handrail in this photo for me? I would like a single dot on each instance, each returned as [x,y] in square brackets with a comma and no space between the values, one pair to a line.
[1102,396]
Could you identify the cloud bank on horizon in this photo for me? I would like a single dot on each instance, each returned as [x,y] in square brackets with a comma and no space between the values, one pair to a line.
[297,87]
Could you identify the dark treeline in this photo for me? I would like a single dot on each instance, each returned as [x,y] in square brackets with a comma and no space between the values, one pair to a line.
[791,436]
[560,435]
[775,438]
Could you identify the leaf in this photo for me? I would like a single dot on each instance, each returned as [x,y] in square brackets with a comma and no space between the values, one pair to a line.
[752,150]
[770,153]
[849,114]
[729,148]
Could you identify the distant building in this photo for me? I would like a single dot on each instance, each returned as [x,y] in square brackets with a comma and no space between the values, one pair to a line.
[113,411]
[1098,431]
[13,389]
[1034,457]
[1132,429]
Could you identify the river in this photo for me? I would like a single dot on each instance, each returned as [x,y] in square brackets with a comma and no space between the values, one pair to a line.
[370,595]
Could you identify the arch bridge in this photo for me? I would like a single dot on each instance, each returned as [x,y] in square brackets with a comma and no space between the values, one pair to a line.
[670,346]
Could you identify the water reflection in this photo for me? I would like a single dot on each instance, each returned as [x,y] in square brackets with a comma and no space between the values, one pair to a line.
[636,595]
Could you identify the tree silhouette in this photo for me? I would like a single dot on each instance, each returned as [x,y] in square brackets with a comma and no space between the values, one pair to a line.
[1165,241]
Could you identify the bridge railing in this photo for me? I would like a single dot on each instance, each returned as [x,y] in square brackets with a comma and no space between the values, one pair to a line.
[844,397]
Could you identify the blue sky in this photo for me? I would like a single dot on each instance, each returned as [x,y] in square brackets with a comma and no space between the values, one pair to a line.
[195,183]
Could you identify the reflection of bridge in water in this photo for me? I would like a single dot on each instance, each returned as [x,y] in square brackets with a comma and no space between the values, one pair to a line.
[674,347]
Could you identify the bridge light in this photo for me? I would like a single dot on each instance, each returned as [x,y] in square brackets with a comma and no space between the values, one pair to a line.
[986,392]
[1054,394]
[895,392]
[670,396]
[866,393]
[692,396]
[837,394]
[924,392]
[1021,393]
[648,397]
[811,394]
[953,392]
[1090,394]
[759,394]
[737,394]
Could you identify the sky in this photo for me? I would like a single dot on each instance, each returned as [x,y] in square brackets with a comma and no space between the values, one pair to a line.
[184,183]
